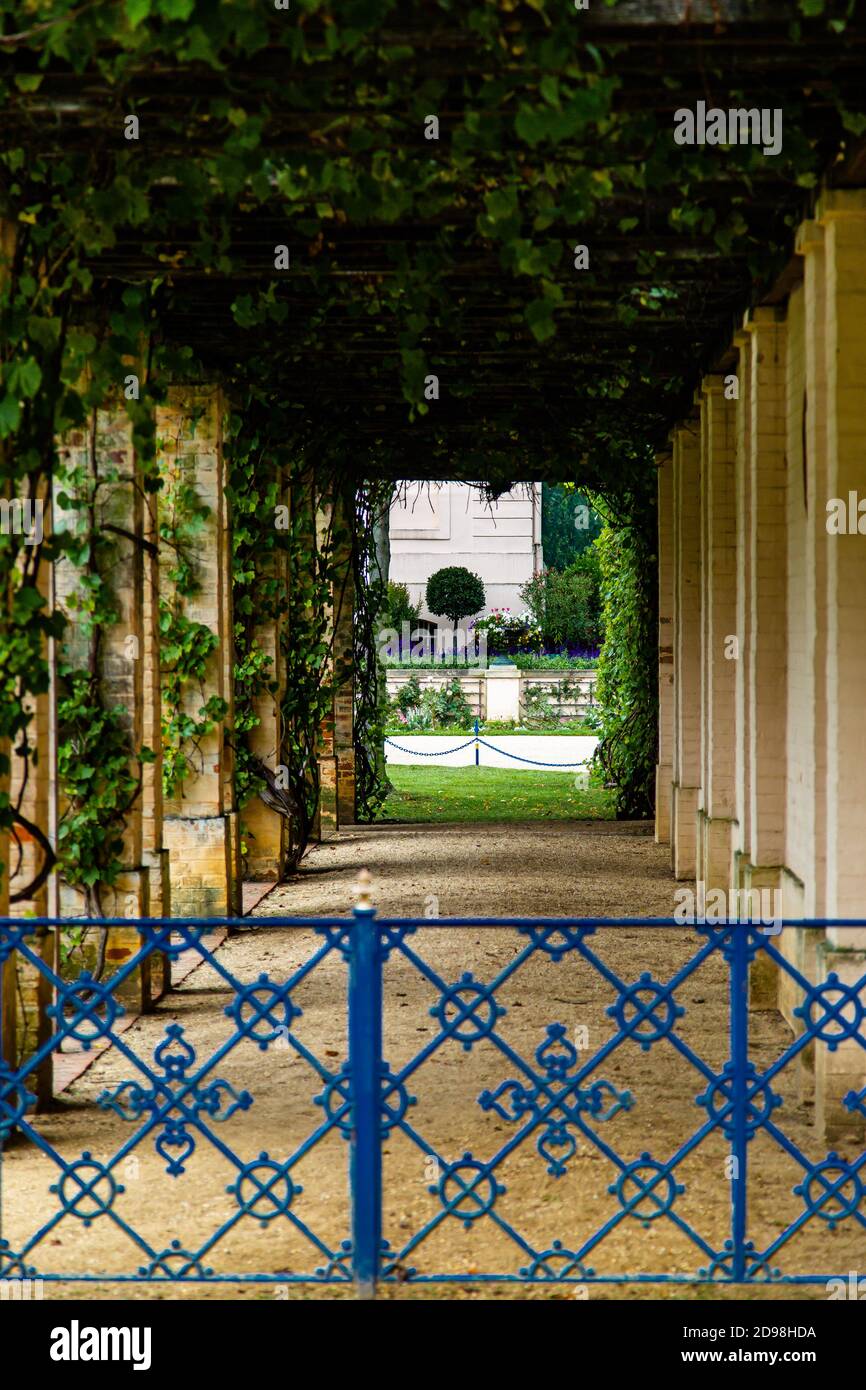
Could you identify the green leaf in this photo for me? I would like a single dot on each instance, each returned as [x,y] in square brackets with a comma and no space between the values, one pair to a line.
[25,377]
[28,599]
[136,11]
[539,316]
[853,120]
[10,415]
[550,89]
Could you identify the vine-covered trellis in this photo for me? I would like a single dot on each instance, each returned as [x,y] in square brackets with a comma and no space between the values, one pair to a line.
[364,220]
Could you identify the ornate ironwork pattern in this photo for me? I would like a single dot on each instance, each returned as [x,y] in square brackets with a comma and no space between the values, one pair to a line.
[175,1100]
[556,1100]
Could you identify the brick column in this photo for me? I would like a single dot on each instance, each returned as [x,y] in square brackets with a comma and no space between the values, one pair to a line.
[266,832]
[719,617]
[843,215]
[125,659]
[664,766]
[767,634]
[327,822]
[336,743]
[743,629]
[201,823]
[804,946]
[154,854]
[810,243]
[767,637]
[344,669]
[686,643]
[799,629]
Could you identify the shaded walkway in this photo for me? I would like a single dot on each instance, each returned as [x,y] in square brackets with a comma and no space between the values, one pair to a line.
[559,869]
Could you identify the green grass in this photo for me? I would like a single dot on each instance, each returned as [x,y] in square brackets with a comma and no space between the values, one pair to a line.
[491,794]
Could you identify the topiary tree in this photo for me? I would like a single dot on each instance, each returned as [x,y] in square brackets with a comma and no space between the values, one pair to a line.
[455,593]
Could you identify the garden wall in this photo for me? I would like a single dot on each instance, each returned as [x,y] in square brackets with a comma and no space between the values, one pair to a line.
[571,693]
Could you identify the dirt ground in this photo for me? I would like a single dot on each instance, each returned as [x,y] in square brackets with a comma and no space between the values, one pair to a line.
[585,869]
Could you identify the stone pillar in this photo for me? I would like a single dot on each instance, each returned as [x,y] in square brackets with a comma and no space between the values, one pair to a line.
[265,831]
[664,766]
[799,723]
[743,526]
[720,640]
[767,638]
[201,824]
[154,854]
[810,243]
[503,692]
[843,215]
[809,472]
[117,516]
[686,643]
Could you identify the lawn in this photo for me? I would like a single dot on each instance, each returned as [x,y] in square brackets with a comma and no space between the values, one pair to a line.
[491,794]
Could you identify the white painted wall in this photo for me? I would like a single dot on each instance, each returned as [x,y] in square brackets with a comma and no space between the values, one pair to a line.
[439,524]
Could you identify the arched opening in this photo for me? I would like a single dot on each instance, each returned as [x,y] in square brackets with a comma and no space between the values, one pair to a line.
[503,253]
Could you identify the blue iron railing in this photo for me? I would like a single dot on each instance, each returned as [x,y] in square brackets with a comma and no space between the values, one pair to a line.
[558,1098]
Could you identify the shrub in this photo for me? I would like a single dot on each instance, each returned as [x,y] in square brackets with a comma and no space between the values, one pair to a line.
[431,708]
[566,604]
[399,607]
[538,709]
[451,707]
[408,697]
[561,662]
[420,718]
[627,689]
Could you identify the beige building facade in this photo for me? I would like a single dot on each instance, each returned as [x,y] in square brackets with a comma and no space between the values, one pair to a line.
[450,523]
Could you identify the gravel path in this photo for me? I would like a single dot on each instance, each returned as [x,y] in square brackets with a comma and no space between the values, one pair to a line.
[557,869]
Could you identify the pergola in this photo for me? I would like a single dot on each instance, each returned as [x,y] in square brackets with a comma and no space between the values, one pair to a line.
[680,241]
[247,201]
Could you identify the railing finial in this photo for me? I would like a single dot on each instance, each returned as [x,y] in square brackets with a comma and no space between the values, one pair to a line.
[364,889]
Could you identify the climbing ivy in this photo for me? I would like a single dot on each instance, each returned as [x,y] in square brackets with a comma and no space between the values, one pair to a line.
[257,491]
[371,506]
[627,684]
[186,646]
[324,132]
[98,768]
